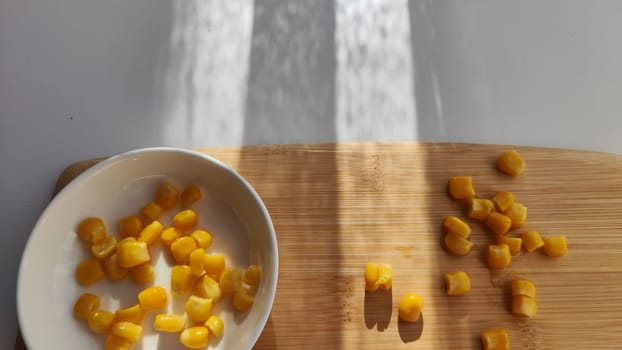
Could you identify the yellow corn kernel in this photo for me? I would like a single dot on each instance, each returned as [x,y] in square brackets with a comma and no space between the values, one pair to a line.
[132,314]
[503,200]
[169,236]
[198,309]
[190,195]
[115,343]
[385,276]
[169,323]
[252,276]
[461,187]
[151,211]
[243,299]
[518,214]
[130,226]
[203,238]
[100,321]
[231,280]
[181,249]
[514,243]
[105,248]
[456,225]
[495,339]
[207,287]
[151,232]
[89,272]
[127,331]
[143,273]
[524,306]
[92,230]
[131,253]
[167,196]
[499,256]
[511,163]
[457,244]
[480,208]
[113,270]
[215,325]
[185,219]
[152,298]
[214,264]
[457,283]
[498,223]
[410,307]
[181,279]
[371,277]
[521,286]
[532,240]
[194,338]
[555,246]
[85,304]
[197,261]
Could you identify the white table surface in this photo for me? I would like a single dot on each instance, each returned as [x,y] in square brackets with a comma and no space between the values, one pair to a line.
[88,78]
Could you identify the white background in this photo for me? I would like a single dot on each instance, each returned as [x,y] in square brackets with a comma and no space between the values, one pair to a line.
[88,78]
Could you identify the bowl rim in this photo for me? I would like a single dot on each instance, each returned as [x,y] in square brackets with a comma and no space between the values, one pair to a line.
[116,158]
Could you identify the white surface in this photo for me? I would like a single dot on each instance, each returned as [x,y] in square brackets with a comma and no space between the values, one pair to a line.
[83,79]
[230,210]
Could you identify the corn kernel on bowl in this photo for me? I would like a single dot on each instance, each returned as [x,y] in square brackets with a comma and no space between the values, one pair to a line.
[230,210]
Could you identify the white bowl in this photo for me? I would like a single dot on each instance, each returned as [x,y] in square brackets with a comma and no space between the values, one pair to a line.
[230,209]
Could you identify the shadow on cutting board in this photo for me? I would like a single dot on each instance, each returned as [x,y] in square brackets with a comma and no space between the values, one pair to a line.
[378,308]
[410,332]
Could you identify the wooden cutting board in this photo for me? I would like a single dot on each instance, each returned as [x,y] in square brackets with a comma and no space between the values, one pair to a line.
[337,206]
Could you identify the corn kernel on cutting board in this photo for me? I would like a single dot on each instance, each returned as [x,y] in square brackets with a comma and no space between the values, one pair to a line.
[337,206]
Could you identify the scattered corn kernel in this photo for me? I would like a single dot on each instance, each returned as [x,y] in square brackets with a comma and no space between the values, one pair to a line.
[169,323]
[197,261]
[190,195]
[128,331]
[252,276]
[385,276]
[143,273]
[555,246]
[132,253]
[511,163]
[461,187]
[231,280]
[207,287]
[151,211]
[457,244]
[480,208]
[215,325]
[151,232]
[454,224]
[113,270]
[132,314]
[524,306]
[105,248]
[185,219]
[498,223]
[203,238]
[85,304]
[457,283]
[92,230]
[495,339]
[89,272]
[518,214]
[198,309]
[195,337]
[181,279]
[499,256]
[167,196]
[521,286]
[410,307]
[532,240]
[115,343]
[100,321]
[152,298]
[514,243]
[243,299]
[371,277]
[214,264]
[130,226]
[169,236]
[181,249]
[503,200]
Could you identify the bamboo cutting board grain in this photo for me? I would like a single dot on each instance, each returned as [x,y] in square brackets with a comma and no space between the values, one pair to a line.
[337,206]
